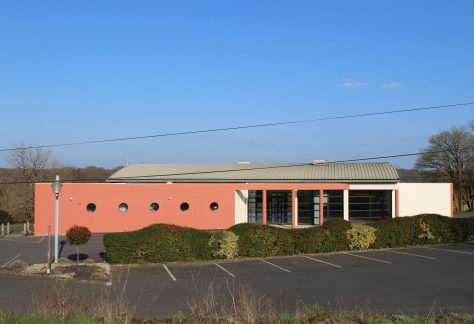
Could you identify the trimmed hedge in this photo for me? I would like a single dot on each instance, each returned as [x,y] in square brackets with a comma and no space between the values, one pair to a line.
[312,240]
[257,240]
[158,243]
[338,240]
[165,243]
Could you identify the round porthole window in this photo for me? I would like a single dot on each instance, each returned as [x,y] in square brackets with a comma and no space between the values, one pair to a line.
[184,206]
[214,206]
[154,207]
[91,208]
[123,207]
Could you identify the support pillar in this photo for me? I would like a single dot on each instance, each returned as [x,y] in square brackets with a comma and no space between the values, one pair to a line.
[321,207]
[395,201]
[294,209]
[346,205]
[264,207]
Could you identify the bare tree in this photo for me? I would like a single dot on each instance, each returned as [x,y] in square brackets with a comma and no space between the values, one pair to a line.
[31,166]
[449,157]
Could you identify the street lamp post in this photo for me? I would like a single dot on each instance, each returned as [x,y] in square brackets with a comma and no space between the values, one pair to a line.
[56,186]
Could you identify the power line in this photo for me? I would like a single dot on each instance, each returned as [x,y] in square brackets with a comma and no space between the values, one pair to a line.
[240,170]
[224,129]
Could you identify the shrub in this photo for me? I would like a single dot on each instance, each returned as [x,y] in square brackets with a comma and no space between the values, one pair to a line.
[396,232]
[224,244]
[17,265]
[338,239]
[257,240]
[311,240]
[5,217]
[78,235]
[440,228]
[158,243]
[460,229]
[360,236]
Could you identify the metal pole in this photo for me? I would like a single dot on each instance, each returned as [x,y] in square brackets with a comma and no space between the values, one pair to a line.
[56,230]
[49,250]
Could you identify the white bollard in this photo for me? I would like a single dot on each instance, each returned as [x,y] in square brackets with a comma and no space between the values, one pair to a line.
[3,229]
[24,229]
[28,226]
[8,228]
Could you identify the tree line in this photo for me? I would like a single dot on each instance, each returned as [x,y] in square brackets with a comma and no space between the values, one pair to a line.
[449,157]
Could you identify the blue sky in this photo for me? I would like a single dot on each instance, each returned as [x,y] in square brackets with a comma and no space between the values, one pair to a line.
[85,70]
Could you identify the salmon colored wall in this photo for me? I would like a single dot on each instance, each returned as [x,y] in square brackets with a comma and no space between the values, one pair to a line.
[74,198]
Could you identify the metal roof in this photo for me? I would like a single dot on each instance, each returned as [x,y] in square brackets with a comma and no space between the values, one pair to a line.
[255,172]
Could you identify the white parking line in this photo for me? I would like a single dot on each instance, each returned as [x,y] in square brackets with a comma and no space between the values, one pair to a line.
[331,264]
[227,271]
[463,252]
[276,266]
[169,272]
[364,257]
[416,255]
[8,262]
[23,241]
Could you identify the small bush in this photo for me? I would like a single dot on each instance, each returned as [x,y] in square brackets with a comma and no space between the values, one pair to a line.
[78,235]
[338,239]
[5,217]
[311,240]
[224,244]
[257,240]
[17,265]
[361,236]
[158,243]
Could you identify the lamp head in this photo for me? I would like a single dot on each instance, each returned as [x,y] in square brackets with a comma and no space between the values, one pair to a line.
[56,185]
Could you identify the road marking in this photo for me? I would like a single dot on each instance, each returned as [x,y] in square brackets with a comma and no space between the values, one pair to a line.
[276,266]
[21,241]
[169,272]
[334,265]
[221,267]
[449,250]
[417,255]
[364,257]
[8,262]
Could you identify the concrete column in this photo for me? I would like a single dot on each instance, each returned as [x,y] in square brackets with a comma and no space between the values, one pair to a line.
[321,207]
[397,201]
[294,209]
[264,207]
[346,205]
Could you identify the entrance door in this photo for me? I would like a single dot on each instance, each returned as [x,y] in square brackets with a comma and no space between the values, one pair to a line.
[279,207]
[308,207]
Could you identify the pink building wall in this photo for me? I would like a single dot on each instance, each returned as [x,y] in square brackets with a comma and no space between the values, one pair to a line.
[74,198]
[107,197]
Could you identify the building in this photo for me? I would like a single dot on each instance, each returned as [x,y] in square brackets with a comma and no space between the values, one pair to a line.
[218,196]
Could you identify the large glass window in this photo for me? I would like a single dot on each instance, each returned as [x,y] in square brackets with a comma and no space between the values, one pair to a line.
[333,204]
[279,207]
[308,207]
[370,204]
[254,204]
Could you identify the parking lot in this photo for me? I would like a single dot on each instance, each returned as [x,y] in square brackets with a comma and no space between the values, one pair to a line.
[418,280]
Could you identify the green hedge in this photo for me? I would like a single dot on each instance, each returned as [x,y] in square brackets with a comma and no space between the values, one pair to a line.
[165,243]
[158,243]
[338,240]
[257,240]
[421,229]
[312,240]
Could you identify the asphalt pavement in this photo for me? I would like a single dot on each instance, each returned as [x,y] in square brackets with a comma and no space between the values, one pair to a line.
[419,280]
